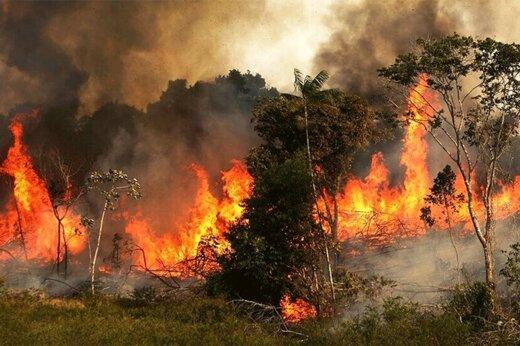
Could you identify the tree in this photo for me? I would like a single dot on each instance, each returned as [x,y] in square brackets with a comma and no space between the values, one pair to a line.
[443,194]
[329,125]
[276,247]
[109,185]
[309,89]
[58,178]
[477,85]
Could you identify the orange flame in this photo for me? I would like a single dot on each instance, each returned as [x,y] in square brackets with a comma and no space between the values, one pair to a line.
[369,204]
[370,207]
[208,217]
[297,310]
[28,217]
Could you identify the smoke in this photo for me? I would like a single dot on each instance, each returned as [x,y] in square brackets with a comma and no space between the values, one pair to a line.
[130,85]
[367,35]
[424,269]
[127,52]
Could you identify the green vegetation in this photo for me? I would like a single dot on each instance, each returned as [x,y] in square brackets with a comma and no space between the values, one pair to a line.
[26,319]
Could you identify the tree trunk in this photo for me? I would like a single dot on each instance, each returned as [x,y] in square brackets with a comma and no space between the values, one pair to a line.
[94,259]
[314,190]
[331,279]
[452,239]
[20,229]
[58,249]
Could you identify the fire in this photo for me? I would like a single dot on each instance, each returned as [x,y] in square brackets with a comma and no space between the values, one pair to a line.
[372,209]
[208,217]
[294,311]
[369,205]
[28,218]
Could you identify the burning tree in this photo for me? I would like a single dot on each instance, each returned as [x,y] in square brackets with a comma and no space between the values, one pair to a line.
[477,83]
[275,249]
[330,126]
[58,177]
[109,185]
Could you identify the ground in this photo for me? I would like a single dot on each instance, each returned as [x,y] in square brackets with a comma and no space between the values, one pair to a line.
[28,319]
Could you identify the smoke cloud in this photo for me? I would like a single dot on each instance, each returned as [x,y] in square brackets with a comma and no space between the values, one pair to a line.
[105,51]
[367,35]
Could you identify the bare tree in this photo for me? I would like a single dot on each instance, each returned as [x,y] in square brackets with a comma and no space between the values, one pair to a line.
[109,185]
[477,84]
[58,177]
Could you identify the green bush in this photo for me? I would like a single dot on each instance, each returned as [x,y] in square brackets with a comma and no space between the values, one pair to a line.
[511,270]
[395,323]
[472,303]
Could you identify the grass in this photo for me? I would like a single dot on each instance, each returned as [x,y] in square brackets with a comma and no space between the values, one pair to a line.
[26,319]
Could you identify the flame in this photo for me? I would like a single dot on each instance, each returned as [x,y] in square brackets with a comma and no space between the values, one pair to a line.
[372,209]
[28,218]
[294,311]
[209,216]
[369,205]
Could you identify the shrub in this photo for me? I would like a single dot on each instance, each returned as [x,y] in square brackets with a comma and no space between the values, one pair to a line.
[511,270]
[145,295]
[472,303]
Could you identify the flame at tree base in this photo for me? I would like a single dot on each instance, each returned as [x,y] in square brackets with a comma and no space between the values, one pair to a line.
[209,217]
[294,311]
[28,219]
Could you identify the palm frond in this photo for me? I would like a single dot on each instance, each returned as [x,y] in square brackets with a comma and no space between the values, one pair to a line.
[319,80]
[298,80]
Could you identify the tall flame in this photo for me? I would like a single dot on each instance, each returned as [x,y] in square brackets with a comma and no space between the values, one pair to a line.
[208,217]
[28,218]
[370,205]
[371,208]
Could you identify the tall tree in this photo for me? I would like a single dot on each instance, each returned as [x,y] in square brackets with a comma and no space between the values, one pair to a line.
[329,125]
[309,89]
[477,86]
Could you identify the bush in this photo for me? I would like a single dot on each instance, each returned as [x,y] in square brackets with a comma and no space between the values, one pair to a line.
[472,303]
[145,295]
[511,270]
[395,323]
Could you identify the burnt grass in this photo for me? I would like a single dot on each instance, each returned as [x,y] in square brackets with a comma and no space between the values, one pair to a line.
[27,318]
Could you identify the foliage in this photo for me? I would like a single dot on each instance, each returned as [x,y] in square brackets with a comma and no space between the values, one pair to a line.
[394,323]
[354,288]
[511,270]
[472,303]
[110,184]
[339,125]
[309,87]
[145,295]
[274,247]
[442,193]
